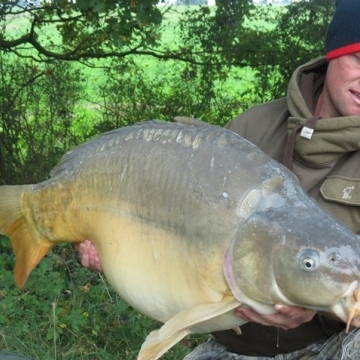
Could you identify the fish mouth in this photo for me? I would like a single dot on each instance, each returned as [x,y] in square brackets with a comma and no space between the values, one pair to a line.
[353,311]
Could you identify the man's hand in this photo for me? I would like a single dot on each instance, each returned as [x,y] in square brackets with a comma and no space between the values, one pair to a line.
[287,317]
[88,255]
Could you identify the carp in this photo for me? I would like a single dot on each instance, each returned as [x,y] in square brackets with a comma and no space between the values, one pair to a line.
[190,221]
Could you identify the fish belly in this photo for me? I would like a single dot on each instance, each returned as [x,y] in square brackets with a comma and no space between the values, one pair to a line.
[157,271]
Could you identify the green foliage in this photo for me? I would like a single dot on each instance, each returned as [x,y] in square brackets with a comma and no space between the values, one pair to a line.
[114,22]
[297,36]
[46,109]
[130,95]
[37,108]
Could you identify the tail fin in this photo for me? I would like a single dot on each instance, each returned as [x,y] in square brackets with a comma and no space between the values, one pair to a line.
[28,248]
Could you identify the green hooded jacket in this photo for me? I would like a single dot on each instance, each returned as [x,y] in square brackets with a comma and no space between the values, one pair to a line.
[325,155]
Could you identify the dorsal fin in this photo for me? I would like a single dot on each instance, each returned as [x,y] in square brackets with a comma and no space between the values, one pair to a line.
[190,121]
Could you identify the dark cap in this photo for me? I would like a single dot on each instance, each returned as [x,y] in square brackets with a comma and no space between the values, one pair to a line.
[343,33]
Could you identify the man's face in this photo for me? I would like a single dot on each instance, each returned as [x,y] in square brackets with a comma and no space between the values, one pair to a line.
[342,87]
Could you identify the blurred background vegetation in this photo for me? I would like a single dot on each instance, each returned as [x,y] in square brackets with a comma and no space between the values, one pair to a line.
[71,70]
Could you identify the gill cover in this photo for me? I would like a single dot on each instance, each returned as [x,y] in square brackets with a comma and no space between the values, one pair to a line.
[248,265]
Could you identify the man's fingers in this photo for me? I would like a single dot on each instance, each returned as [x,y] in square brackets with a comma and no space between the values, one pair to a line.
[89,256]
[286,318]
[297,313]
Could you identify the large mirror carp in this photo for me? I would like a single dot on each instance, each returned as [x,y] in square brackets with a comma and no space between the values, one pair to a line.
[190,221]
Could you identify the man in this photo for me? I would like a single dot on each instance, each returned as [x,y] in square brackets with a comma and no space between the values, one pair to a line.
[315,131]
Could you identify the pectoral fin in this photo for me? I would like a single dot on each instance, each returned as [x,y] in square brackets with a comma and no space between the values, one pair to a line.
[153,348]
[159,341]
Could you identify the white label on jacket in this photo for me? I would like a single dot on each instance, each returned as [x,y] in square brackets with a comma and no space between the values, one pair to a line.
[306,132]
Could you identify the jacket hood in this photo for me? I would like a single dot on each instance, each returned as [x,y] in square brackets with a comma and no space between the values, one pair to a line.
[305,87]
[332,137]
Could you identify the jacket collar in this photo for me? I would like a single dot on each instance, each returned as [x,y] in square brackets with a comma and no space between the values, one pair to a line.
[333,137]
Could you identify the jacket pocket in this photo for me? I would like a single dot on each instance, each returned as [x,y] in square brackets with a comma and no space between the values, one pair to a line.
[342,190]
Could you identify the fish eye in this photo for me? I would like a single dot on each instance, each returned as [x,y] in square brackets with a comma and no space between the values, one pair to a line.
[308,264]
[309,260]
